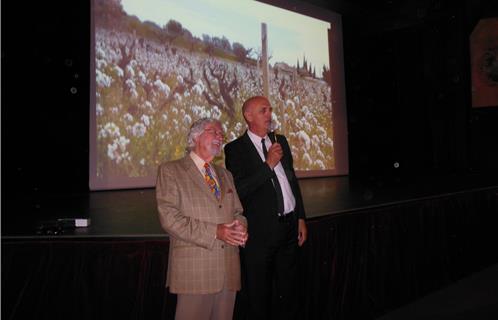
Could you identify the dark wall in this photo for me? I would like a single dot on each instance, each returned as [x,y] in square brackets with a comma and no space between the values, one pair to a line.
[408,90]
[407,74]
[45,97]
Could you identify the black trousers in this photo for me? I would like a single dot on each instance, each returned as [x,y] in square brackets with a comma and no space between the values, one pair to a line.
[269,274]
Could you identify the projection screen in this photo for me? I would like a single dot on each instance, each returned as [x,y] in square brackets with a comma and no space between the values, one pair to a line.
[159,65]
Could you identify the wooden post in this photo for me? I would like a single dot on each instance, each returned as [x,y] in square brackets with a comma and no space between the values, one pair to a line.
[264,61]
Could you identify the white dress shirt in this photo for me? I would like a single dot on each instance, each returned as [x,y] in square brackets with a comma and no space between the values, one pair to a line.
[289,200]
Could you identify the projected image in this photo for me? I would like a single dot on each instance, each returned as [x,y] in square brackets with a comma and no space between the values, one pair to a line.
[160,65]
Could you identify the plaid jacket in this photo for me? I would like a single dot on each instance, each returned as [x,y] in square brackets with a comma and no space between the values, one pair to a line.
[189,212]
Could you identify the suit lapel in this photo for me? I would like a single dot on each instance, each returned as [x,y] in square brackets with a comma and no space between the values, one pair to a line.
[255,154]
[252,151]
[196,176]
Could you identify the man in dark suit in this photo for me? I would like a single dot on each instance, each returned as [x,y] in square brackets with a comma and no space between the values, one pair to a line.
[262,167]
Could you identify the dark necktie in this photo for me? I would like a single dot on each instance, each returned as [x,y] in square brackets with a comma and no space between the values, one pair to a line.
[276,184]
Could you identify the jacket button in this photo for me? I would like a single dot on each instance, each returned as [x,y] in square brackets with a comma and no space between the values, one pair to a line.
[222,246]
[220,206]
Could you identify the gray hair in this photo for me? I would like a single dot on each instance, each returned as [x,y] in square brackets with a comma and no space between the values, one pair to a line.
[196,129]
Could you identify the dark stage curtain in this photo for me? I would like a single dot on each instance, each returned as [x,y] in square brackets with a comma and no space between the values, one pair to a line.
[85,279]
[355,265]
[363,264]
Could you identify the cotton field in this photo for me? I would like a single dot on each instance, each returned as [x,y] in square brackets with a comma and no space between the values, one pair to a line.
[149,93]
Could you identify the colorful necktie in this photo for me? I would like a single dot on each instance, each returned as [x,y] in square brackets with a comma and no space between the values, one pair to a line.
[211,181]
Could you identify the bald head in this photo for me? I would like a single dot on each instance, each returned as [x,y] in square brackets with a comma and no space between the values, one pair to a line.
[250,103]
[257,113]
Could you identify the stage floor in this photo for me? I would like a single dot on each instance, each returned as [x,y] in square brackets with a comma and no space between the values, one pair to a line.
[133,213]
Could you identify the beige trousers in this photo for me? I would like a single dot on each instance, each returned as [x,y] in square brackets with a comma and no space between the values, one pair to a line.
[213,306]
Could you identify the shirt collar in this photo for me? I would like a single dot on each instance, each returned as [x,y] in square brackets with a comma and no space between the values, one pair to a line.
[255,138]
[199,163]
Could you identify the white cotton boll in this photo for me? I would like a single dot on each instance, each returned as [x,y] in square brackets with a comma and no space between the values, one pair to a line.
[315,140]
[165,117]
[139,129]
[179,78]
[205,114]
[130,71]
[174,110]
[142,77]
[307,159]
[290,104]
[99,110]
[119,71]
[294,150]
[134,93]
[309,116]
[216,112]
[100,53]
[162,87]
[299,124]
[111,151]
[122,142]
[145,119]
[128,117]
[320,164]
[112,129]
[275,124]
[130,84]
[304,138]
[142,162]
[100,63]
[187,120]
[178,97]
[198,88]
[103,80]
[102,133]
[329,142]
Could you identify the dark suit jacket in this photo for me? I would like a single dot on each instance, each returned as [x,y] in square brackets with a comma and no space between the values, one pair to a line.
[252,178]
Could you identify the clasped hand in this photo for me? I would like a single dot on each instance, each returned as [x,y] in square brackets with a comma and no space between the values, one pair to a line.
[275,153]
[233,233]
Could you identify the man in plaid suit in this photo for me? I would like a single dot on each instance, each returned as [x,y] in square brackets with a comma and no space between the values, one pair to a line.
[200,210]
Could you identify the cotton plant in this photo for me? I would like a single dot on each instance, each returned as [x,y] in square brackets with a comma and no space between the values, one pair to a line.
[147,98]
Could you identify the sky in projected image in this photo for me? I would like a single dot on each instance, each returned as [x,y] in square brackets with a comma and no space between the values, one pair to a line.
[161,65]
[291,35]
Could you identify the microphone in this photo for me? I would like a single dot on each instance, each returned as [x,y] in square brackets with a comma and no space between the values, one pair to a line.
[272,128]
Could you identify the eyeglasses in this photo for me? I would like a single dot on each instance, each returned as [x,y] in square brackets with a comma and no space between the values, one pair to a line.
[215,132]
